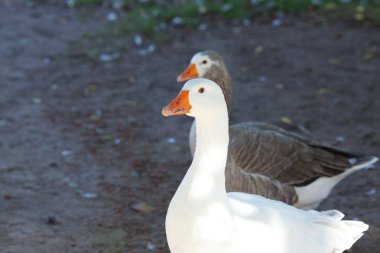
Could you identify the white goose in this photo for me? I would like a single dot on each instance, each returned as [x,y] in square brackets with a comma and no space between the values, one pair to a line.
[203,218]
[269,161]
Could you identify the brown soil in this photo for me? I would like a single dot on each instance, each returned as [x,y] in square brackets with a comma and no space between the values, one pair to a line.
[82,141]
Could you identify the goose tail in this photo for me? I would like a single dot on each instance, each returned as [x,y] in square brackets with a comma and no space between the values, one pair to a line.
[345,232]
[362,162]
[353,231]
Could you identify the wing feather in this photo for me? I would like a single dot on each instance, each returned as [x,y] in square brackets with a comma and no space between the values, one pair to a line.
[289,158]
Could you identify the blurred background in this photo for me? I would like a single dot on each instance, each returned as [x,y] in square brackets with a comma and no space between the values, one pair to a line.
[87,162]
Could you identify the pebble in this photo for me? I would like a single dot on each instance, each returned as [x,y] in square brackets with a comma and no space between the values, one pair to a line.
[276,22]
[177,21]
[109,57]
[171,140]
[89,195]
[112,16]
[371,192]
[37,101]
[150,49]
[138,40]
[66,152]
[70,3]
[70,182]
[150,246]
[117,4]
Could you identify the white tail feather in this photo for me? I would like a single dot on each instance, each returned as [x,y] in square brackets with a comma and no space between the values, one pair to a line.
[310,196]
[343,233]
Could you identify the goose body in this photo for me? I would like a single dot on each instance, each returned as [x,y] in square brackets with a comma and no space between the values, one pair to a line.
[202,217]
[269,161]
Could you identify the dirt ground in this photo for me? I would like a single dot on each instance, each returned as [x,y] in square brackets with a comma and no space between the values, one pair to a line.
[82,140]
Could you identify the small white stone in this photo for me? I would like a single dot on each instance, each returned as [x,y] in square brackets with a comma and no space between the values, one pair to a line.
[371,192]
[37,101]
[89,195]
[138,40]
[151,48]
[70,3]
[117,141]
[177,21]
[276,22]
[171,140]
[112,16]
[117,4]
[150,246]
[70,182]
[66,152]
[109,57]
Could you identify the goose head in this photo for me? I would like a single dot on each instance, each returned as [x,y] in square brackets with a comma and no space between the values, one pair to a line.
[198,98]
[210,65]
[201,65]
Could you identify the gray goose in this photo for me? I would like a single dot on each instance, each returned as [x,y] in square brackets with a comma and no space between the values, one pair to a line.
[269,161]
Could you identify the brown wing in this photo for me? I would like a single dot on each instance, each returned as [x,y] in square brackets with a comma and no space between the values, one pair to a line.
[238,180]
[289,159]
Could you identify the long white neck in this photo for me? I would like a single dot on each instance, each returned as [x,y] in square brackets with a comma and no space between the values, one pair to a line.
[207,171]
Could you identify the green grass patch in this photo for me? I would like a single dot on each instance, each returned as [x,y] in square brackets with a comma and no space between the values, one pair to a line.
[147,17]
[88,2]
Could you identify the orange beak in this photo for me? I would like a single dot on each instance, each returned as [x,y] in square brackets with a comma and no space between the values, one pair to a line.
[179,105]
[189,73]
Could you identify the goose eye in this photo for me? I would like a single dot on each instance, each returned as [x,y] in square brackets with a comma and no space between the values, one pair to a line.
[201,90]
[204,61]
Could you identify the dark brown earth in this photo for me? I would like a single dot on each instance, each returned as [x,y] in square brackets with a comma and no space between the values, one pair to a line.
[82,141]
